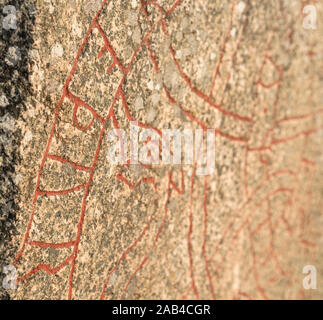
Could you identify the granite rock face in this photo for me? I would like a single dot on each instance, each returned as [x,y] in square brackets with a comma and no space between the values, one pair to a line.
[15,42]
[82,227]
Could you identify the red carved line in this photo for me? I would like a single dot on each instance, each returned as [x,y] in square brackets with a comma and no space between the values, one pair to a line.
[269,85]
[68,161]
[245,223]
[203,95]
[200,123]
[254,269]
[103,49]
[110,48]
[174,6]
[296,136]
[133,275]
[46,245]
[188,113]
[245,295]
[149,180]
[165,215]
[152,56]
[234,54]
[60,192]
[130,117]
[81,221]
[205,222]
[189,235]
[157,234]
[79,102]
[123,256]
[119,176]
[176,188]
[217,69]
[171,184]
[308,162]
[300,117]
[66,85]
[143,4]
[259,204]
[111,67]
[307,243]
[46,268]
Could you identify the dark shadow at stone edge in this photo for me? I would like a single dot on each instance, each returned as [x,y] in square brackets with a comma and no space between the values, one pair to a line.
[14,84]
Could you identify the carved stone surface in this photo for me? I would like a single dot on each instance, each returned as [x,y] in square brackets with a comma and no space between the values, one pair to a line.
[87,229]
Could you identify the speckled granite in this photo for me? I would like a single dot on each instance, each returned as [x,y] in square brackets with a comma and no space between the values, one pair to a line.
[15,44]
[86,229]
